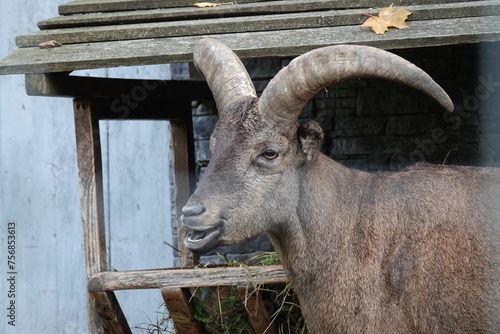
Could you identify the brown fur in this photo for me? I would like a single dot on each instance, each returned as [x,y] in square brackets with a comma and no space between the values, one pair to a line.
[415,251]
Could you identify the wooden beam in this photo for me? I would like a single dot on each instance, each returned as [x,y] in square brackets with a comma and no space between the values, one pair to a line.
[183,165]
[194,13]
[189,278]
[180,309]
[274,22]
[65,85]
[92,212]
[91,6]
[147,109]
[258,314]
[247,45]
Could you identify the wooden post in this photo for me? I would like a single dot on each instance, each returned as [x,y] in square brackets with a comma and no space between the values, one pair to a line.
[181,311]
[256,309]
[184,183]
[109,310]
[104,313]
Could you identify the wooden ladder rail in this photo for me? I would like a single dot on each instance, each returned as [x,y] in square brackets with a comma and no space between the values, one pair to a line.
[175,285]
[105,314]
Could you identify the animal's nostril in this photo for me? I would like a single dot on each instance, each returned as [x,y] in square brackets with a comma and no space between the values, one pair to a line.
[194,210]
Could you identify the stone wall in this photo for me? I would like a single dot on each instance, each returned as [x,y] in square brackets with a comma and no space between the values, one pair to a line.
[376,125]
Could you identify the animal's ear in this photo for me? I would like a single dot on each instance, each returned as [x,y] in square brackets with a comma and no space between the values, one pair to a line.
[310,136]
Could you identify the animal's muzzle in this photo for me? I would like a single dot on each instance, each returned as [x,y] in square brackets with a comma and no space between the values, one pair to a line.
[203,237]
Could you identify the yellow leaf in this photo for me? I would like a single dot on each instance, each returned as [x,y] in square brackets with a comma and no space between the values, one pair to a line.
[388,18]
[377,25]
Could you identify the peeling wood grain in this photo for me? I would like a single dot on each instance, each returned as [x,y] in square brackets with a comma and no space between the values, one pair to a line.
[92,6]
[247,45]
[90,180]
[104,313]
[275,22]
[190,13]
[193,27]
[188,278]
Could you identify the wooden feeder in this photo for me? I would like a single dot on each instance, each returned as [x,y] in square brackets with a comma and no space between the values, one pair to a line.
[108,33]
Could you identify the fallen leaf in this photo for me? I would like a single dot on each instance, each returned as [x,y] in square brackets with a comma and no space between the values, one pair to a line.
[210,4]
[388,18]
[49,44]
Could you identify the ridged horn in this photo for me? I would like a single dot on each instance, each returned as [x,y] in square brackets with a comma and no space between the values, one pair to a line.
[225,74]
[289,91]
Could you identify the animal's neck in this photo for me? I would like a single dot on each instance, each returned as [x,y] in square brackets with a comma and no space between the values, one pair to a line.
[314,239]
[326,194]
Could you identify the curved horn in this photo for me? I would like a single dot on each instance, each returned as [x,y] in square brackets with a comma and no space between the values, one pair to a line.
[225,74]
[289,91]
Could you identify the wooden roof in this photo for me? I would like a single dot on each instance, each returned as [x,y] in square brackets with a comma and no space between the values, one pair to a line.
[110,33]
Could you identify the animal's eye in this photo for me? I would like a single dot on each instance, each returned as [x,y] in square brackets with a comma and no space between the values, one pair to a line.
[270,154]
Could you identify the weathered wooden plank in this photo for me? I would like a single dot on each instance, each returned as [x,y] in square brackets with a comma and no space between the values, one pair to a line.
[247,45]
[256,309]
[188,278]
[183,166]
[90,178]
[92,6]
[193,27]
[92,206]
[177,301]
[248,24]
[63,85]
[192,13]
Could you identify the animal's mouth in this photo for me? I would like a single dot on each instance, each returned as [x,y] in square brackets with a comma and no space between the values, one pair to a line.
[202,240]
